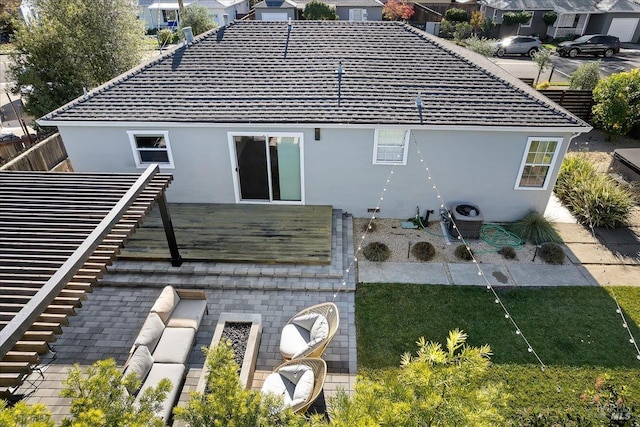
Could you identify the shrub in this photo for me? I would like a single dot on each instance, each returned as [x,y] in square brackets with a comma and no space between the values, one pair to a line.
[593,198]
[464,253]
[165,37]
[446,29]
[586,76]
[477,21]
[616,108]
[480,45]
[456,15]
[551,253]
[549,17]
[463,30]
[424,251]
[508,252]
[198,18]
[535,228]
[512,18]
[369,227]
[376,251]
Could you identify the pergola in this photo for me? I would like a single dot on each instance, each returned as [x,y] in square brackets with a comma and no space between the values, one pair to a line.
[58,233]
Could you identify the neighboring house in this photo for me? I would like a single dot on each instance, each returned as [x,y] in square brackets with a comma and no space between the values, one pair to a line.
[347,10]
[620,18]
[324,113]
[164,14]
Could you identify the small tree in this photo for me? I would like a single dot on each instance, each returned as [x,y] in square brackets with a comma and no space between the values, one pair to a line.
[434,387]
[456,15]
[586,76]
[395,10]
[543,61]
[99,398]
[463,30]
[617,102]
[197,17]
[317,10]
[549,17]
[477,21]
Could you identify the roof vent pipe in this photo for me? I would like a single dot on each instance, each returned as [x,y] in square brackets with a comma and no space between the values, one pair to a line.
[188,34]
[419,105]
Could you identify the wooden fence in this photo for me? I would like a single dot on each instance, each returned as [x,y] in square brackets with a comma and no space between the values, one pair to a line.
[579,102]
[47,155]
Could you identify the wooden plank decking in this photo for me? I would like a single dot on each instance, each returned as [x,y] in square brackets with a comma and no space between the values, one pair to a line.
[238,233]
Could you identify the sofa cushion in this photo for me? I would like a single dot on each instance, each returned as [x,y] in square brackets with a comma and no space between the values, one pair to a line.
[140,364]
[175,373]
[294,340]
[166,302]
[151,332]
[306,320]
[319,330]
[294,383]
[174,346]
[188,314]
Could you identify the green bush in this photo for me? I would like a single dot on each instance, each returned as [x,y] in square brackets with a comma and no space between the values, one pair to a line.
[456,15]
[617,108]
[549,17]
[376,251]
[463,30]
[369,227]
[464,253]
[535,228]
[512,18]
[165,37]
[586,76]
[593,198]
[317,10]
[423,251]
[508,252]
[446,29]
[551,253]
[482,46]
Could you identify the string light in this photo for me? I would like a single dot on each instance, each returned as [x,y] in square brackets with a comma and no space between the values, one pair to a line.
[490,288]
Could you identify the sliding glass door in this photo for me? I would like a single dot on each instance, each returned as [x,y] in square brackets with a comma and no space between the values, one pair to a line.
[268,167]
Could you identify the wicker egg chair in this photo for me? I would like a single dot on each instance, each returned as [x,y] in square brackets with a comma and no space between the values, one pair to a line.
[279,377]
[297,339]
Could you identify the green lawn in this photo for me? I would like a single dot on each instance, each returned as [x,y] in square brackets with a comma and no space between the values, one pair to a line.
[576,332]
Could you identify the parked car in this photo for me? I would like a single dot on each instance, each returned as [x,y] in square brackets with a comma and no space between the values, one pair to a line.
[594,44]
[517,45]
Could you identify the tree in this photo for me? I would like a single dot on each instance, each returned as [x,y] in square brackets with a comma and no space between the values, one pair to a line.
[395,10]
[477,21]
[74,45]
[99,398]
[316,10]
[434,387]
[24,415]
[586,76]
[8,13]
[198,18]
[542,59]
[225,403]
[617,102]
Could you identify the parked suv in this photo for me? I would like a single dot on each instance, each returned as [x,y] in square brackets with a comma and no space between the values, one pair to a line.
[517,45]
[596,44]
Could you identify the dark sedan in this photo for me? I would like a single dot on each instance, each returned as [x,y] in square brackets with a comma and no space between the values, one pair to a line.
[596,44]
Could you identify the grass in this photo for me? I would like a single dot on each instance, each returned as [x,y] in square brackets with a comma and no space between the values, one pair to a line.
[576,332]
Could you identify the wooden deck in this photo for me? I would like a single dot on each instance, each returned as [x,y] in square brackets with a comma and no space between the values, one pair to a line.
[271,234]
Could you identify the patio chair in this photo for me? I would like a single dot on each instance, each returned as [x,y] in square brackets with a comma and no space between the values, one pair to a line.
[308,333]
[298,381]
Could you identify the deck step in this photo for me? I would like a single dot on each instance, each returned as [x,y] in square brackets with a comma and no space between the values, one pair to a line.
[39,347]
[11,379]
[13,367]
[22,356]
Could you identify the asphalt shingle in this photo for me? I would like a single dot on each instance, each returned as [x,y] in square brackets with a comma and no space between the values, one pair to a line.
[253,72]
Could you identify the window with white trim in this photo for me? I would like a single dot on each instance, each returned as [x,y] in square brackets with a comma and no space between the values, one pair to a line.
[537,163]
[357,15]
[151,147]
[390,147]
[567,20]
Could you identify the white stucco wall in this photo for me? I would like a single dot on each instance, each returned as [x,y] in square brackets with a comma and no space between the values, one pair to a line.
[472,166]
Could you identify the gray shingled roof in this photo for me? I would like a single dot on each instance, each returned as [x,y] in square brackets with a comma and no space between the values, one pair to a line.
[247,73]
[566,6]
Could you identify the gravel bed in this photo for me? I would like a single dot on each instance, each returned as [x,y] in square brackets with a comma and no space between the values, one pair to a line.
[400,241]
[238,335]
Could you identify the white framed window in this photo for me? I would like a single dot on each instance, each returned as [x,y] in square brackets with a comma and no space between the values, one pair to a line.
[537,163]
[151,146]
[567,20]
[390,146]
[357,15]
